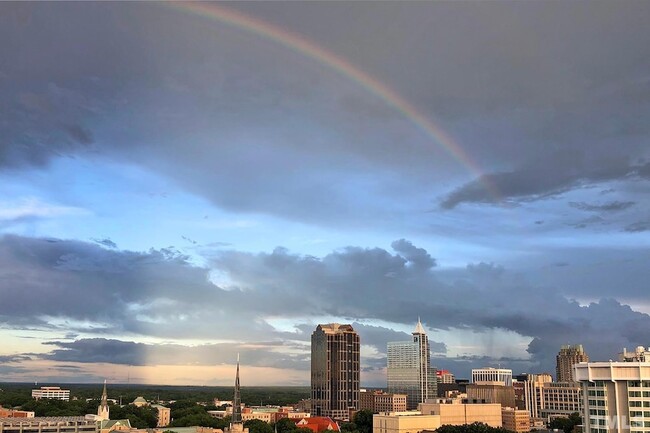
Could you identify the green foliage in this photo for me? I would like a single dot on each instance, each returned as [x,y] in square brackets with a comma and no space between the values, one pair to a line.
[258,426]
[46,407]
[140,417]
[348,427]
[16,394]
[566,424]
[186,413]
[363,421]
[476,427]
[285,425]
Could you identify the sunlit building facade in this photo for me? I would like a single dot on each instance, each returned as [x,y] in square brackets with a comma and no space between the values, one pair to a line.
[335,368]
[409,369]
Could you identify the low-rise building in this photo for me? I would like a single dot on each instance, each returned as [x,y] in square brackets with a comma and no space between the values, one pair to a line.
[318,424]
[12,413]
[404,422]
[164,415]
[53,392]
[456,413]
[58,424]
[515,420]
[379,401]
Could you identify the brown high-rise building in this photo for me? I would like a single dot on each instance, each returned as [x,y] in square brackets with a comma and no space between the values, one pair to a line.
[566,359]
[335,367]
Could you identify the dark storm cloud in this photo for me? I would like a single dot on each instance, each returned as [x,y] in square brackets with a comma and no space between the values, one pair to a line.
[85,282]
[261,354]
[541,179]
[612,206]
[540,111]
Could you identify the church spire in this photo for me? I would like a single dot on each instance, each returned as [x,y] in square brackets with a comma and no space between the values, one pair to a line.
[236,401]
[104,395]
[102,410]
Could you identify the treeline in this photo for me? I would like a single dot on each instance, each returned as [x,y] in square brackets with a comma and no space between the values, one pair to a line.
[477,427]
[17,394]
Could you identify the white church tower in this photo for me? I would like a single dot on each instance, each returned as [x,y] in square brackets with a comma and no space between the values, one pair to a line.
[102,410]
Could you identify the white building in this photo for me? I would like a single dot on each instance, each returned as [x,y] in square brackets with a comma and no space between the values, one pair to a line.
[640,354]
[409,369]
[490,374]
[53,392]
[616,396]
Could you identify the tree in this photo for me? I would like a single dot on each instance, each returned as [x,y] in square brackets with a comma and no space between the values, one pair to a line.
[566,424]
[285,425]
[258,426]
[476,427]
[363,421]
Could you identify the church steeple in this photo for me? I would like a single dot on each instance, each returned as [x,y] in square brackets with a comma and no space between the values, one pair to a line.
[236,401]
[102,410]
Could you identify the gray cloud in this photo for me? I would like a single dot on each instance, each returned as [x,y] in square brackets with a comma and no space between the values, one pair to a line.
[85,282]
[263,354]
[639,226]
[611,206]
[86,98]
[541,178]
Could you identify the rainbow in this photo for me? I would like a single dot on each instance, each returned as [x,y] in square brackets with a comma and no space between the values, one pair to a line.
[298,43]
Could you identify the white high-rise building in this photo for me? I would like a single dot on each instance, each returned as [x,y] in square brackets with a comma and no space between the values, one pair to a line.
[490,374]
[409,369]
[616,396]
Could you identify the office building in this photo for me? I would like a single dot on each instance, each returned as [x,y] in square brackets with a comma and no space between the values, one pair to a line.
[545,399]
[616,396]
[490,374]
[335,367]
[456,413]
[515,420]
[409,369]
[404,422]
[491,392]
[566,359]
[379,401]
[53,392]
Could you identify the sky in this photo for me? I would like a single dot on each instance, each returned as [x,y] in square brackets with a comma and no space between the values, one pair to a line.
[180,183]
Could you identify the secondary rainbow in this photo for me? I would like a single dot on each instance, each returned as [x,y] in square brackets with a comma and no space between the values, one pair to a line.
[309,49]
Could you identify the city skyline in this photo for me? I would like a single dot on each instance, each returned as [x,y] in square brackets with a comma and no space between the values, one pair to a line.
[183,182]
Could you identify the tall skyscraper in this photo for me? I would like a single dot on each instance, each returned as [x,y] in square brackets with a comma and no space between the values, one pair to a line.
[409,369]
[566,359]
[102,409]
[335,367]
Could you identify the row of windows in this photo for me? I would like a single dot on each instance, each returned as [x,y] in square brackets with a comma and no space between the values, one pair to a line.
[601,412]
[596,392]
[635,413]
[639,393]
[638,383]
[596,402]
[639,423]
[637,403]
